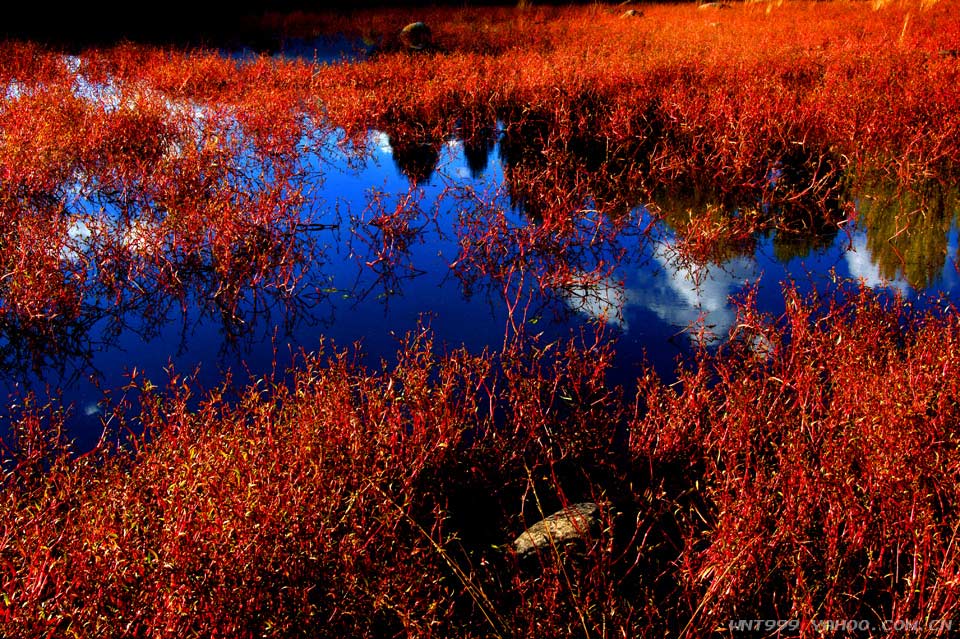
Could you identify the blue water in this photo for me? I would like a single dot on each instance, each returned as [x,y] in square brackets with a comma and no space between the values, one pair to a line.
[633,279]
[327,49]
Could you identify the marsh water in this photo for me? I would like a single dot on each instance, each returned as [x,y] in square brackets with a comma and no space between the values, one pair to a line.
[395,235]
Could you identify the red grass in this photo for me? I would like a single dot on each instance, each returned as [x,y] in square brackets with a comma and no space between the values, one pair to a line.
[812,479]
[820,483]
[775,111]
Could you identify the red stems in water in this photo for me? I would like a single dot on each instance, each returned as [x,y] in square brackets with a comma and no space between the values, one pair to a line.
[807,470]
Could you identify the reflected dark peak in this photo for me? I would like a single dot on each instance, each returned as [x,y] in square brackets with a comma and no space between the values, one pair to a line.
[477,148]
[523,141]
[415,154]
[544,168]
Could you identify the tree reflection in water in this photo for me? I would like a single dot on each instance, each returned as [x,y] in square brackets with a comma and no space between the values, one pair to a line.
[157,213]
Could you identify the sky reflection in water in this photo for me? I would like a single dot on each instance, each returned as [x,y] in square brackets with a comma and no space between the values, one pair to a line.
[652,301]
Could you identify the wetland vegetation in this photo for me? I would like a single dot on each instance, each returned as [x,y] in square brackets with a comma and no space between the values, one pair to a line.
[298,333]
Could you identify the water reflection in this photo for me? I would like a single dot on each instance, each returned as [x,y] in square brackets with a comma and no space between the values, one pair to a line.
[478,144]
[546,174]
[326,49]
[862,265]
[690,297]
[906,232]
[416,155]
[187,234]
[693,296]
[602,299]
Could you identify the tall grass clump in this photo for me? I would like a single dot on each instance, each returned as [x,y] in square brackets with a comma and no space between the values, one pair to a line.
[813,478]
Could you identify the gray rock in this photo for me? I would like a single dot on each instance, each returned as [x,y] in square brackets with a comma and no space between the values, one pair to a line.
[416,36]
[564,526]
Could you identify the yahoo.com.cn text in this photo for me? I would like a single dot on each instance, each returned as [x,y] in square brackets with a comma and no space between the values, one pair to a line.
[841,625]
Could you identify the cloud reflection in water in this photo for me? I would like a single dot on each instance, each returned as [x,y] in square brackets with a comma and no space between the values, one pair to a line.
[679,294]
